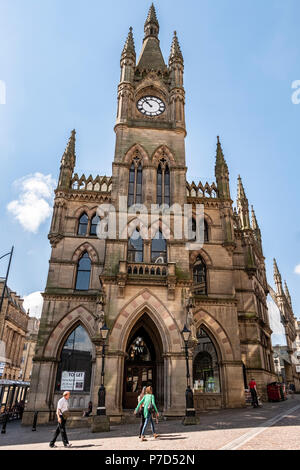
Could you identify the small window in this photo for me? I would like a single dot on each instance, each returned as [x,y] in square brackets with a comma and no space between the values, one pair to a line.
[135,186]
[159,249]
[94,224]
[135,248]
[199,277]
[194,230]
[83,224]
[83,273]
[163,183]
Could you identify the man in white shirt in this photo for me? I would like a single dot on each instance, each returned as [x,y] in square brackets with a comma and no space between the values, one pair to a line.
[61,413]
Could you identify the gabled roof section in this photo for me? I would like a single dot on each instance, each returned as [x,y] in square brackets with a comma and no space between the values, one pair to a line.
[151,57]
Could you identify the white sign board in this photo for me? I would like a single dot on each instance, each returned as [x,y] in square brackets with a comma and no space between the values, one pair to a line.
[298,369]
[73,381]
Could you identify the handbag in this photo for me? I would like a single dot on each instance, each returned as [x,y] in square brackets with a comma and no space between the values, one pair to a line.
[66,414]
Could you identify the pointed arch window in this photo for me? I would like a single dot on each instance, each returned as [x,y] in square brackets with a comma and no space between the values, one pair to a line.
[200,277]
[135,182]
[83,224]
[159,249]
[135,248]
[83,273]
[194,231]
[163,183]
[94,224]
[206,374]
[75,366]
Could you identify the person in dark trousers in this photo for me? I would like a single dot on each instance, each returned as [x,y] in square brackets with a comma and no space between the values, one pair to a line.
[253,391]
[141,411]
[292,389]
[87,413]
[148,402]
[62,412]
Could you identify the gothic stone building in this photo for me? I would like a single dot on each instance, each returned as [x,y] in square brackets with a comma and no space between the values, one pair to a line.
[13,329]
[282,299]
[140,285]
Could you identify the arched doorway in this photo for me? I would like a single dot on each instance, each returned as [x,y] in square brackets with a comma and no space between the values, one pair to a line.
[143,363]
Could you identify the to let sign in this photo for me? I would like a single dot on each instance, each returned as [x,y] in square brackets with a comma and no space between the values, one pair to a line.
[73,381]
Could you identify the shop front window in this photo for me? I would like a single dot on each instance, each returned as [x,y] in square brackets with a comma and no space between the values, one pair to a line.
[206,375]
[75,366]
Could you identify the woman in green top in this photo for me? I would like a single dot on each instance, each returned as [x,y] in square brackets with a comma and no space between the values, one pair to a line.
[149,404]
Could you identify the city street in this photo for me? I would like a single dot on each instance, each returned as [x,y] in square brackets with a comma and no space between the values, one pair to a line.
[275,426]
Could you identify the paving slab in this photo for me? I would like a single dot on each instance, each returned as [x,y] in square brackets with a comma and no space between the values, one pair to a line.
[273,426]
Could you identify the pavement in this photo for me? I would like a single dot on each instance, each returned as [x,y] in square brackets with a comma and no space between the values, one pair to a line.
[274,426]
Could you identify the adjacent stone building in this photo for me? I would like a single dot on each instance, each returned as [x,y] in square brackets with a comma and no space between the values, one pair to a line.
[287,354]
[144,283]
[29,348]
[13,329]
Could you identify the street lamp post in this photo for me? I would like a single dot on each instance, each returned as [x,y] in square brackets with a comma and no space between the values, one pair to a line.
[101,410]
[190,414]
[100,422]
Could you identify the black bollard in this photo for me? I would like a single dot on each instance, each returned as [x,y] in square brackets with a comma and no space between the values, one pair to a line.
[5,419]
[35,421]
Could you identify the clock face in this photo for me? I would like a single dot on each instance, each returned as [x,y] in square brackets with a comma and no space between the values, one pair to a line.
[151,106]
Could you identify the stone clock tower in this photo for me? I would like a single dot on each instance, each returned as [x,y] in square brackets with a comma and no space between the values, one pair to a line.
[143,282]
[151,101]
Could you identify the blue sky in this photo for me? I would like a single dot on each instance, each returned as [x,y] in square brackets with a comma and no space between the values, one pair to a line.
[60,59]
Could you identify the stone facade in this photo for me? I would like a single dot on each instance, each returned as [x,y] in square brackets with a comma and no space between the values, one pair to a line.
[228,298]
[29,348]
[13,329]
[287,354]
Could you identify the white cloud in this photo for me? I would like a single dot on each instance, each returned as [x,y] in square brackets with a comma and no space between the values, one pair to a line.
[34,303]
[297,269]
[32,207]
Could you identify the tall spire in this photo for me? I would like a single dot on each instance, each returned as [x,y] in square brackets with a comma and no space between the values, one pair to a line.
[243,205]
[129,48]
[277,278]
[175,54]
[255,228]
[222,173]
[68,162]
[151,57]
[69,157]
[241,190]
[254,223]
[287,294]
[151,25]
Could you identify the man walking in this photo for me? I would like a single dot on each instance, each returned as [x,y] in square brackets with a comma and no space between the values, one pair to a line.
[253,390]
[62,412]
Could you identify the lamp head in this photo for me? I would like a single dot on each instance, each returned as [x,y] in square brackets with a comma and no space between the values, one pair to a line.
[186,333]
[104,331]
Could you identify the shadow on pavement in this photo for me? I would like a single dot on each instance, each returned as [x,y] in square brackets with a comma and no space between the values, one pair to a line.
[245,418]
